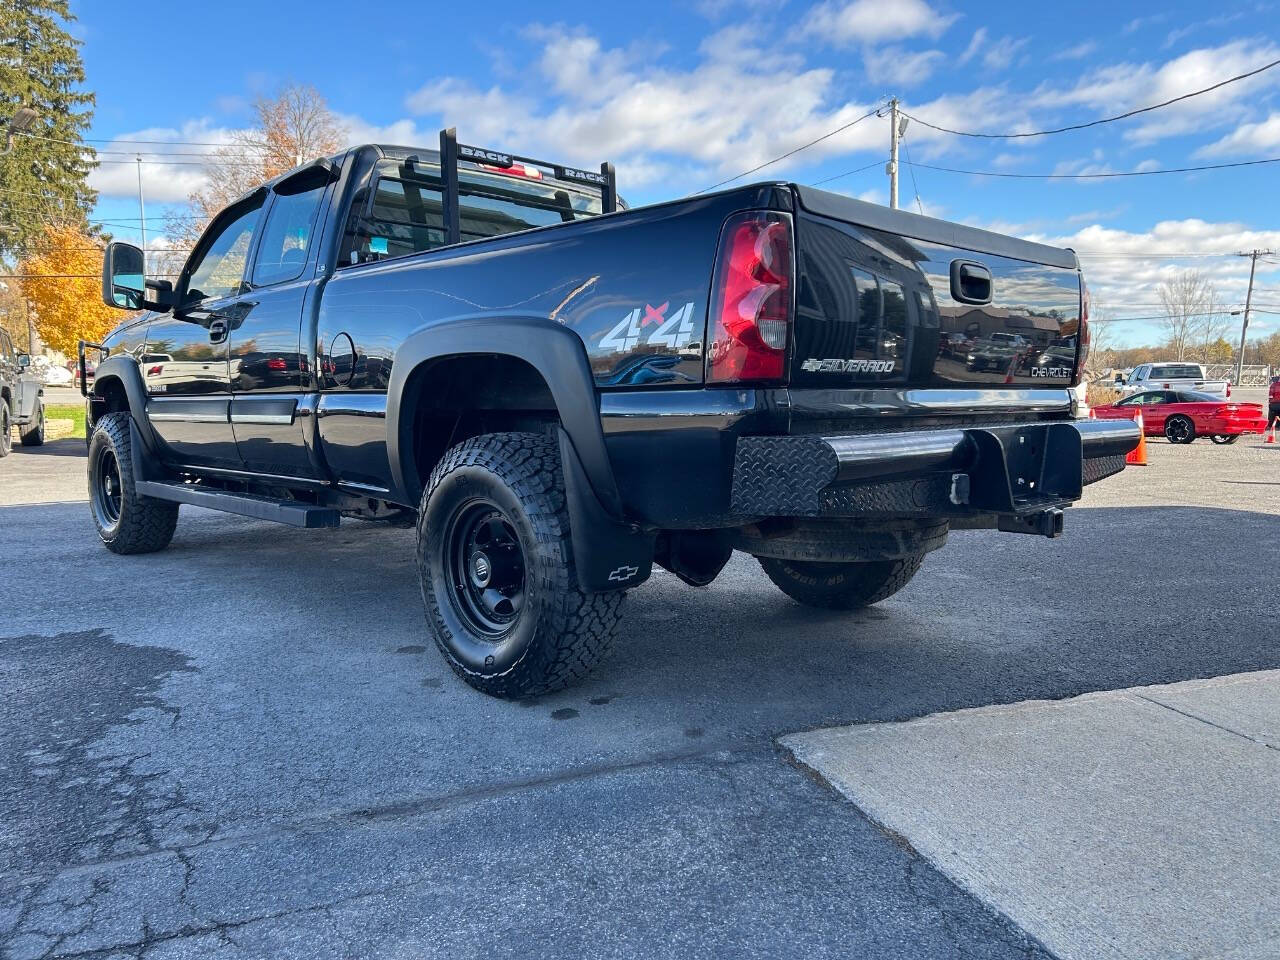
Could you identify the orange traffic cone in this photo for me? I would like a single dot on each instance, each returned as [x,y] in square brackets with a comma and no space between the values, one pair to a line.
[1008,374]
[1271,437]
[1137,457]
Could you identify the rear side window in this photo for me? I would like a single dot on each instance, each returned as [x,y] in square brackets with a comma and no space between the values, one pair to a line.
[406,212]
[1176,371]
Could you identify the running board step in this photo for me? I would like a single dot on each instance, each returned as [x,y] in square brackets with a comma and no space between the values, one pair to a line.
[292,512]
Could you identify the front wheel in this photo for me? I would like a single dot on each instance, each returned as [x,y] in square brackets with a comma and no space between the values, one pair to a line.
[6,430]
[841,586]
[1225,438]
[127,522]
[33,436]
[496,567]
[1179,429]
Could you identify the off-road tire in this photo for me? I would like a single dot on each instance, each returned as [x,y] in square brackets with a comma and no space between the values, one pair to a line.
[143,524]
[1172,431]
[6,430]
[1224,439]
[840,586]
[33,436]
[560,632]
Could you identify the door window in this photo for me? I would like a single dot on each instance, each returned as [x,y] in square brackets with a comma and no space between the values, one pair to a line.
[287,236]
[218,270]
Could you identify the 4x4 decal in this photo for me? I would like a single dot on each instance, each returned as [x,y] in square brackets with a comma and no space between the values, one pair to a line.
[673,332]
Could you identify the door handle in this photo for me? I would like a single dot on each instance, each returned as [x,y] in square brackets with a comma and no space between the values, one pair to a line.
[970,282]
[217,330]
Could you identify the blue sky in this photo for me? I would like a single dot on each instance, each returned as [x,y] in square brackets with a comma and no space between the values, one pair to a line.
[682,96]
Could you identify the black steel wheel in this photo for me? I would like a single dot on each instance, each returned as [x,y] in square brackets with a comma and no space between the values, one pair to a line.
[33,436]
[105,488]
[126,521]
[486,568]
[1179,429]
[1224,438]
[496,566]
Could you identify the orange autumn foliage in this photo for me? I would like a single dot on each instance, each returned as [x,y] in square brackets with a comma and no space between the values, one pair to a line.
[61,281]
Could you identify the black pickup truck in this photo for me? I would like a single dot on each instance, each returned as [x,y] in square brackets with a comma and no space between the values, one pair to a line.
[560,392]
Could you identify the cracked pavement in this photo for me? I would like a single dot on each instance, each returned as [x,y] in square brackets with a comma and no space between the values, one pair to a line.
[247,745]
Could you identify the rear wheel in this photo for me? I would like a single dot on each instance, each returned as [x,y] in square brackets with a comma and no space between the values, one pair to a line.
[1225,438]
[33,436]
[841,586]
[497,573]
[126,521]
[1179,429]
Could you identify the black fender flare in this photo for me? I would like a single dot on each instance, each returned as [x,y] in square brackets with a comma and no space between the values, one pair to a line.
[125,369]
[558,355]
[610,553]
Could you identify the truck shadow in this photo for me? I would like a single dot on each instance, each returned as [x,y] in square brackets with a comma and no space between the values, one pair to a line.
[65,447]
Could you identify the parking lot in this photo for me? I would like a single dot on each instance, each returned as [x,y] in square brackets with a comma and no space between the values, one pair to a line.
[247,745]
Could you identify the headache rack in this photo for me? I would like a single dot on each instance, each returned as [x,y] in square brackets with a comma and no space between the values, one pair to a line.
[451,151]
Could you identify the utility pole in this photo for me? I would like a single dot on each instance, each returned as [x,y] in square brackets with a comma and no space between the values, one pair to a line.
[1253,256]
[892,168]
[142,212]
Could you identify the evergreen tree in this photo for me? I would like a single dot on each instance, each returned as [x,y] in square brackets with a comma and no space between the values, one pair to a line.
[42,180]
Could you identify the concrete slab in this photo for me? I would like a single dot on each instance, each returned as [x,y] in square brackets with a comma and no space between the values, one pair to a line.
[1127,824]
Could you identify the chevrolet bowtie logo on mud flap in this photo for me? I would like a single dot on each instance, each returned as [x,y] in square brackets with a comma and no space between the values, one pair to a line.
[849,366]
[623,574]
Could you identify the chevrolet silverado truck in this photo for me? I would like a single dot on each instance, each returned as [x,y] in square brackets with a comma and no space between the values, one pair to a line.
[1173,376]
[559,392]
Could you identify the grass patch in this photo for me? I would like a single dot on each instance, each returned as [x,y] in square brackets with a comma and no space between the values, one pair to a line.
[67,411]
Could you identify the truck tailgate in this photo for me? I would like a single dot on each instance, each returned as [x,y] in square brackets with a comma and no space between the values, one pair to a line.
[887,297]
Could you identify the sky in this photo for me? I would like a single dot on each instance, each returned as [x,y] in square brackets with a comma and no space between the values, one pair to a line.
[683,96]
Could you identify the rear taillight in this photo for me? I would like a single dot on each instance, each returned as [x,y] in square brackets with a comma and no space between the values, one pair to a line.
[156,370]
[276,363]
[1083,353]
[1228,389]
[751,302]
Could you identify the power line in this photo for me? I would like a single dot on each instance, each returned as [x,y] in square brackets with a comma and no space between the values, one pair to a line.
[163,143]
[1100,176]
[1094,123]
[847,173]
[1182,316]
[789,153]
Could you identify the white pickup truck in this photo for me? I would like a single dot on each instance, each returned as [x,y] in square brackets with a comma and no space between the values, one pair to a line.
[1173,376]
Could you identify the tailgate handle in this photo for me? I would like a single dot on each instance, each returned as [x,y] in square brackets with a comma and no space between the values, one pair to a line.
[970,282]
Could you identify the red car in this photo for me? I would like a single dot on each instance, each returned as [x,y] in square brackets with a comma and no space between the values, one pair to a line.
[1182,415]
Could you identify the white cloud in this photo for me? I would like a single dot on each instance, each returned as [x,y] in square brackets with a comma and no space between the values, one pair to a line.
[864,22]
[1000,54]
[1125,268]
[735,107]
[162,182]
[900,68]
[1126,86]
[1248,138]
[1078,52]
[996,54]
[976,43]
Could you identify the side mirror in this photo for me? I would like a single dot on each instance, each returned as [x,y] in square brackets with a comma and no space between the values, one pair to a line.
[24,360]
[123,281]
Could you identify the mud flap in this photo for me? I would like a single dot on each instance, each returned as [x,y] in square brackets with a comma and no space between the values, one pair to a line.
[609,554]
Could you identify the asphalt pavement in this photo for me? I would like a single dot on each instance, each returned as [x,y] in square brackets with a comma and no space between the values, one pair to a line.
[247,745]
